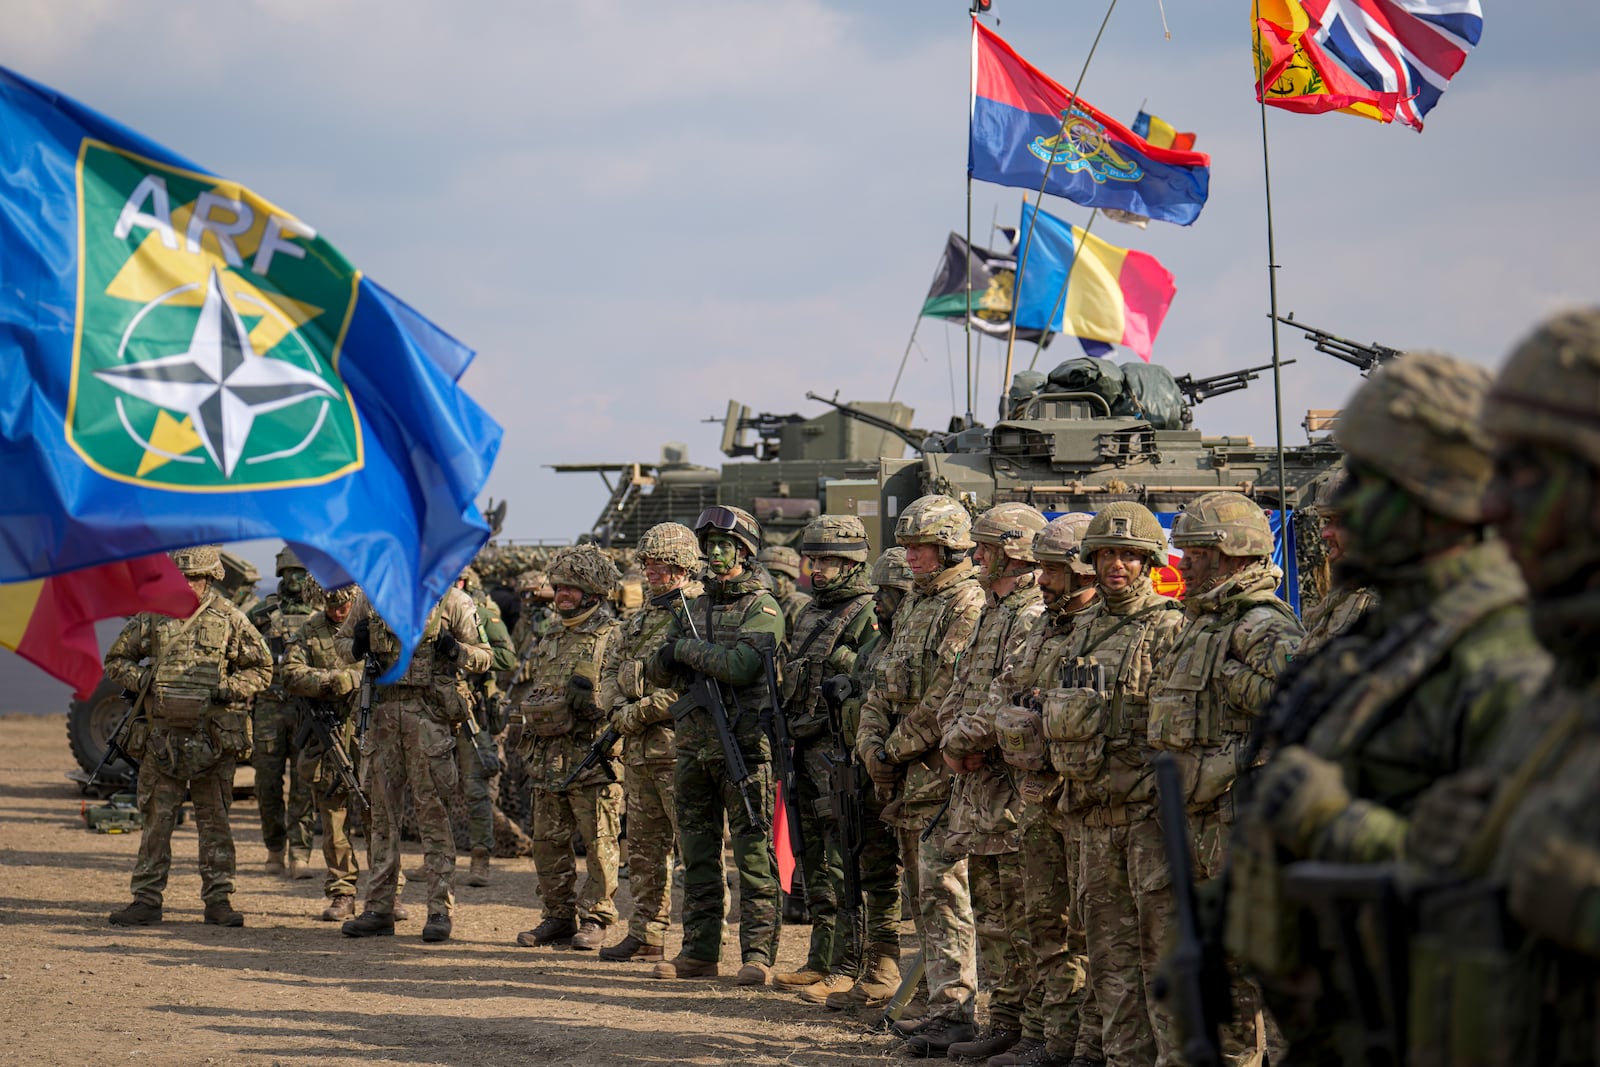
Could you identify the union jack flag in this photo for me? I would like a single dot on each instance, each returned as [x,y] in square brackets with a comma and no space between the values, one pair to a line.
[1385,59]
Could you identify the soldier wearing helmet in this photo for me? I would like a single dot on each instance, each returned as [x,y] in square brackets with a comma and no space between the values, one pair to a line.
[783,564]
[556,717]
[277,727]
[899,745]
[723,639]
[194,679]
[477,751]
[410,741]
[1337,598]
[829,634]
[313,670]
[641,711]
[537,617]
[981,821]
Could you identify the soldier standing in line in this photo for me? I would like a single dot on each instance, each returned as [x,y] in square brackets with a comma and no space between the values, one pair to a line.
[276,727]
[641,712]
[899,743]
[1208,692]
[411,740]
[313,669]
[194,678]
[738,624]
[983,817]
[783,564]
[538,617]
[477,755]
[1058,1009]
[880,852]
[834,628]
[1343,599]
[556,719]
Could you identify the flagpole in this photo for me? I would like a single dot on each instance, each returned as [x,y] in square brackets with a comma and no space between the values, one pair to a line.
[1061,298]
[972,93]
[1022,260]
[910,341]
[1272,289]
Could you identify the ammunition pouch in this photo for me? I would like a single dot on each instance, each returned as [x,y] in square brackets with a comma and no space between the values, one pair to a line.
[1208,774]
[230,733]
[1177,708]
[630,679]
[1074,723]
[137,741]
[546,714]
[179,706]
[1021,736]
[903,678]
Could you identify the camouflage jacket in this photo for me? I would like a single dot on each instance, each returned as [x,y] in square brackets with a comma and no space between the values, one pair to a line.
[1213,683]
[552,724]
[646,729]
[983,819]
[312,667]
[910,679]
[280,620]
[427,673]
[827,638]
[1333,615]
[792,606]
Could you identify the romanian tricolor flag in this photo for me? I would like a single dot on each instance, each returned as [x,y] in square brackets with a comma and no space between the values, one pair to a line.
[1161,133]
[50,622]
[1383,59]
[1023,123]
[1113,294]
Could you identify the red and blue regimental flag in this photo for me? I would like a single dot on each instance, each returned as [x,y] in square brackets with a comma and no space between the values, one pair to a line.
[1023,122]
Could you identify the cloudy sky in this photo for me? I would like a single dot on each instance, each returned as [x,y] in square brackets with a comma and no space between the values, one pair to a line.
[637,211]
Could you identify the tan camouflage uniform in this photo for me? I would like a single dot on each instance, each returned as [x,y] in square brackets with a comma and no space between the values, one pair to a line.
[276,725]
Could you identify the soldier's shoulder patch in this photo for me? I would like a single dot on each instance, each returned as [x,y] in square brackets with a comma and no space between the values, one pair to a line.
[769,609]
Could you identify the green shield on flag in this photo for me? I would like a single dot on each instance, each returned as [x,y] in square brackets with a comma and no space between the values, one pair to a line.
[208,333]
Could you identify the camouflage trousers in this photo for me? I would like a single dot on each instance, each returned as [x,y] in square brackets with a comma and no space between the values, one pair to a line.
[707,801]
[595,813]
[832,950]
[406,744]
[1059,1007]
[475,791]
[944,923]
[162,786]
[333,807]
[275,730]
[881,873]
[652,841]
[1000,922]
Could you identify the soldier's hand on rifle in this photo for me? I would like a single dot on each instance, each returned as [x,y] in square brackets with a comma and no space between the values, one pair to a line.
[881,770]
[361,638]
[1300,795]
[446,646]
[629,719]
[339,683]
[665,658]
[1448,817]
[838,689]
[488,758]
[580,694]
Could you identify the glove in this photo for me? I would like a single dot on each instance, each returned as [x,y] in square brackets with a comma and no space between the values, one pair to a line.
[665,657]
[838,689]
[361,638]
[629,719]
[446,645]
[1300,795]
[1032,699]
[487,756]
[1447,817]
[881,770]
[336,684]
[580,693]
[1554,890]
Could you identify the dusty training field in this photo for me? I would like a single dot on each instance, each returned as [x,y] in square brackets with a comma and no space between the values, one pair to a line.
[289,989]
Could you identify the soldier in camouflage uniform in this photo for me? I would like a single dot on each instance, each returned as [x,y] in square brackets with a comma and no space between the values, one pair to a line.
[556,717]
[899,745]
[880,853]
[194,678]
[738,624]
[1341,598]
[783,564]
[1207,694]
[834,628]
[983,816]
[642,713]
[477,754]
[1414,691]
[537,617]
[411,740]
[277,727]
[313,669]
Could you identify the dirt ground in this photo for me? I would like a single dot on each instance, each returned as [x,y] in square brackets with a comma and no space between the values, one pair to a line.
[288,989]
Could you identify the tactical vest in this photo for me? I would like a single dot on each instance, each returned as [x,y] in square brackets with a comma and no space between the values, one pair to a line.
[720,623]
[280,627]
[638,639]
[816,635]
[1019,728]
[539,692]
[191,657]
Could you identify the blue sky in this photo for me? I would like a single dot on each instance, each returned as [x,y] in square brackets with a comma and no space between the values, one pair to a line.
[637,211]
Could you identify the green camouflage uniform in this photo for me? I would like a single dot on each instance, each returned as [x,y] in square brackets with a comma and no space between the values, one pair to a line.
[476,783]
[194,727]
[555,725]
[312,668]
[411,740]
[276,723]
[642,713]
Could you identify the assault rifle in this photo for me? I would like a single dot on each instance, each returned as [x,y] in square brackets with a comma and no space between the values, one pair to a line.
[1197,389]
[323,721]
[114,749]
[703,692]
[844,800]
[369,673]
[783,753]
[596,754]
[1364,357]
[1193,980]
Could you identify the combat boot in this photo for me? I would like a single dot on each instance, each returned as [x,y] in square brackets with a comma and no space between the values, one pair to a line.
[991,1042]
[221,913]
[369,924]
[137,914]
[550,932]
[437,928]
[400,913]
[936,1036]
[681,966]
[631,948]
[1039,1055]
[877,984]
[275,861]
[590,936]
[1017,1054]
[798,979]
[754,972]
[478,875]
[821,991]
[339,909]
[300,867]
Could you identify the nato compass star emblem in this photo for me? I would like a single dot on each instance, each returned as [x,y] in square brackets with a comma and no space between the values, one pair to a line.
[219,382]
[209,332]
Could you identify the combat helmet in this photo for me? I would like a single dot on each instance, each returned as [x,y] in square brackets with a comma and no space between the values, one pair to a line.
[1125,524]
[470,580]
[890,570]
[735,522]
[780,559]
[1549,390]
[835,535]
[1228,521]
[287,560]
[1013,527]
[935,520]
[585,567]
[199,561]
[1417,421]
[536,582]
[332,598]
[1061,541]
[671,543]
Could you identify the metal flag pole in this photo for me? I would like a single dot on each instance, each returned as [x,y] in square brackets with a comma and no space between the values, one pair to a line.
[1272,287]
[1022,260]
[910,343]
[968,321]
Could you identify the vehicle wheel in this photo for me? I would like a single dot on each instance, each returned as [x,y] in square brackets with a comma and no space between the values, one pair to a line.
[89,726]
